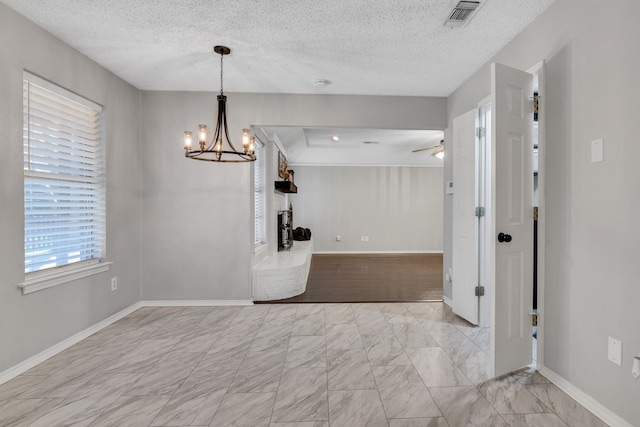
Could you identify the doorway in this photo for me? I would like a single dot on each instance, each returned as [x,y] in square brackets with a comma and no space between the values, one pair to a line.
[502,189]
[371,198]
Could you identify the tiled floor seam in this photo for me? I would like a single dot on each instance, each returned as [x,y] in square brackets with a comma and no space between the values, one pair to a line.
[176,390]
[400,313]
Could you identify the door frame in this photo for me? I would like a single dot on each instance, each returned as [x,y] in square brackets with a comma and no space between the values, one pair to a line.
[538,70]
[465,259]
[485,232]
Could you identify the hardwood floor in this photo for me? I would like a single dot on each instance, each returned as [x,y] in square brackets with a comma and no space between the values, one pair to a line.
[373,278]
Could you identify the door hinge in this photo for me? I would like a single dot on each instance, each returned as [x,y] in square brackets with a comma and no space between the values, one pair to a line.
[479,291]
[536,102]
[536,106]
[480,212]
[535,213]
[534,319]
[481,132]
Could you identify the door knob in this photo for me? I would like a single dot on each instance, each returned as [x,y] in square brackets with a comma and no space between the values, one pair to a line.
[504,238]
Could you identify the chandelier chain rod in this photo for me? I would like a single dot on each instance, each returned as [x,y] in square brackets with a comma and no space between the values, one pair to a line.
[221,74]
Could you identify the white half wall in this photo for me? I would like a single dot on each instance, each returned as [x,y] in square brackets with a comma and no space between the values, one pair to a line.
[591,209]
[31,323]
[398,208]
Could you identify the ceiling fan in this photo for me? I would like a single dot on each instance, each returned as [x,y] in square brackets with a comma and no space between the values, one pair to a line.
[438,150]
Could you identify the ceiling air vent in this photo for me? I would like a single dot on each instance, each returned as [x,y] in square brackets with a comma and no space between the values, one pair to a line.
[462,13]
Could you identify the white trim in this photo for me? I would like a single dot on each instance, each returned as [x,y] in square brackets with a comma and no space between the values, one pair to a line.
[53,87]
[278,144]
[484,101]
[38,281]
[64,344]
[539,70]
[447,301]
[24,366]
[195,303]
[45,102]
[350,165]
[591,404]
[574,392]
[485,244]
[373,252]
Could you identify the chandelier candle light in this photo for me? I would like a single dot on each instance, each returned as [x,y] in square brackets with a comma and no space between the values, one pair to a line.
[220,149]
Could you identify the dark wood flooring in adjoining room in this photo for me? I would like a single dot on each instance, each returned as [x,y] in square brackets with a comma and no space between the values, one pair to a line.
[373,278]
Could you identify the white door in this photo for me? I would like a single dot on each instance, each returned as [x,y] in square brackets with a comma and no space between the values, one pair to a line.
[512,219]
[464,263]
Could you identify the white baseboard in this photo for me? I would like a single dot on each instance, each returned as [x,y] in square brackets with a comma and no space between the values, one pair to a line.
[591,404]
[373,252]
[574,392]
[24,366]
[195,303]
[447,301]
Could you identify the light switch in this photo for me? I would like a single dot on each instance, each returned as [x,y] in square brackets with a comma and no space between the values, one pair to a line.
[597,150]
[615,351]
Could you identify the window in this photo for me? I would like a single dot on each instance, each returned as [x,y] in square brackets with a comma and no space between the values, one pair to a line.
[259,195]
[64,188]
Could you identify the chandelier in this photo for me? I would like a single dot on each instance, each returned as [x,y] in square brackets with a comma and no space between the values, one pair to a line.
[220,148]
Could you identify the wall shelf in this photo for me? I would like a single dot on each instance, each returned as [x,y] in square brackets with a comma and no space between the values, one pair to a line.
[286,187]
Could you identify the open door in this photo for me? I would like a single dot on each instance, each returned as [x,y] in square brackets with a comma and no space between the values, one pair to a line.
[511,225]
[464,262]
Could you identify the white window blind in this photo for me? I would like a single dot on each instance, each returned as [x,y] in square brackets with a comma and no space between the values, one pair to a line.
[259,195]
[64,190]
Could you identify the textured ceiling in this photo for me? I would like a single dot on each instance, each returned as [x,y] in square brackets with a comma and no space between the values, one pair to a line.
[364,47]
[391,147]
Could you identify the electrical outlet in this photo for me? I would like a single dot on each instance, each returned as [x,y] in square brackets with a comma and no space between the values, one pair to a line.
[114,283]
[615,351]
[366,238]
[338,239]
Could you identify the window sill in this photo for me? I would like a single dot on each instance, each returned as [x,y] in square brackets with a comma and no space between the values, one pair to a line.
[38,281]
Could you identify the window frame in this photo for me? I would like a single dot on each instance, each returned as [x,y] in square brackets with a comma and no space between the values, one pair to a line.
[259,191]
[46,277]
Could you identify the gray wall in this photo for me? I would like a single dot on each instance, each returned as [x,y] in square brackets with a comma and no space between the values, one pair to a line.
[193,217]
[448,216]
[196,233]
[34,322]
[399,208]
[592,232]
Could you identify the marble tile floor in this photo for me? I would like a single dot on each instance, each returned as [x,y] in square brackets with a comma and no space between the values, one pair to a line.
[285,365]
